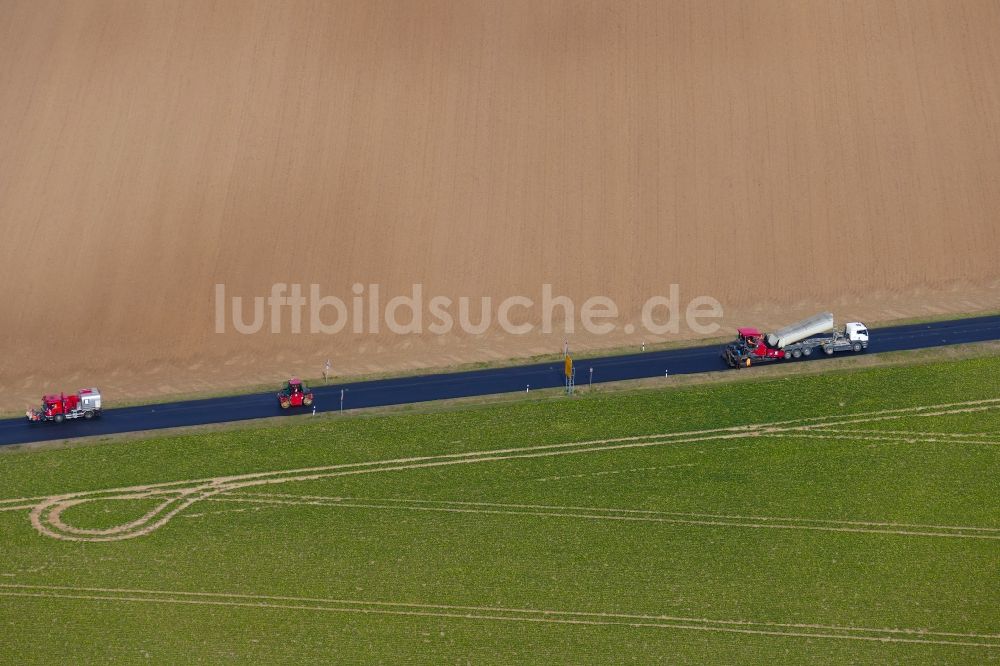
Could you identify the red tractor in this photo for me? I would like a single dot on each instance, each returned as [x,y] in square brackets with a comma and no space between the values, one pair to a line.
[58,407]
[750,347]
[295,394]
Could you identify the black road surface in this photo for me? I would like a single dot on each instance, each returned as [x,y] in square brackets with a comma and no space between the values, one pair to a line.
[464,384]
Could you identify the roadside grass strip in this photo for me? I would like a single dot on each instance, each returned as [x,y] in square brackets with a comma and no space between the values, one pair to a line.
[46,513]
[989,641]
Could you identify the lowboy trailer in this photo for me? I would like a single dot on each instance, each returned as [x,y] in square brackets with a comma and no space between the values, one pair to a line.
[795,341]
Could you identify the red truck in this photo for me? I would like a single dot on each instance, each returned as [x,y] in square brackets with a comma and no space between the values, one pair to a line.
[57,407]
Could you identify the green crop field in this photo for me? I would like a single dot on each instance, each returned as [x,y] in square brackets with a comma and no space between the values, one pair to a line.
[844,517]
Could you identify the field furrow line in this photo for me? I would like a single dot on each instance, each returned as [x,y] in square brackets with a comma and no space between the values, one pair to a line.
[798,630]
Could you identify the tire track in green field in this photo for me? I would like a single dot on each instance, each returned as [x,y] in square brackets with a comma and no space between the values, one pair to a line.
[46,513]
[622,515]
[503,614]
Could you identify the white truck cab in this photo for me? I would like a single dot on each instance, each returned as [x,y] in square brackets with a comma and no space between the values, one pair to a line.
[856,331]
[90,399]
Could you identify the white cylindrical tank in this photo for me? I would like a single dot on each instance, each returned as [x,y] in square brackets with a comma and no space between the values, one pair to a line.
[821,323]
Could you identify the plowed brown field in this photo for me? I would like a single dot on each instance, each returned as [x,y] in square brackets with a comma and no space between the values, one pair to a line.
[782,157]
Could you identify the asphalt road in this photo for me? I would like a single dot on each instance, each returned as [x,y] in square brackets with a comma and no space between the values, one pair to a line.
[463,384]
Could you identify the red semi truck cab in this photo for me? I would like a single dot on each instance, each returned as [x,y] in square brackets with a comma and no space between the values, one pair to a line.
[58,407]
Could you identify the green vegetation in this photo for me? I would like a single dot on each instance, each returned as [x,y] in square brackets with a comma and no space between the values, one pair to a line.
[780,544]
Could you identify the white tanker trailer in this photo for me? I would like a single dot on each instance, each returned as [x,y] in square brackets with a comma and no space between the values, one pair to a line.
[795,341]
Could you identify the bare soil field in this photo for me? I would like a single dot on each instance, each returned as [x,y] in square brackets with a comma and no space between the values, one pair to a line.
[780,157]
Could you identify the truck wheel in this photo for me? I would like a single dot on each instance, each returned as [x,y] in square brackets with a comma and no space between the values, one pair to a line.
[807,351]
[797,353]
[828,350]
[856,347]
[88,415]
[307,401]
[285,404]
[59,418]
